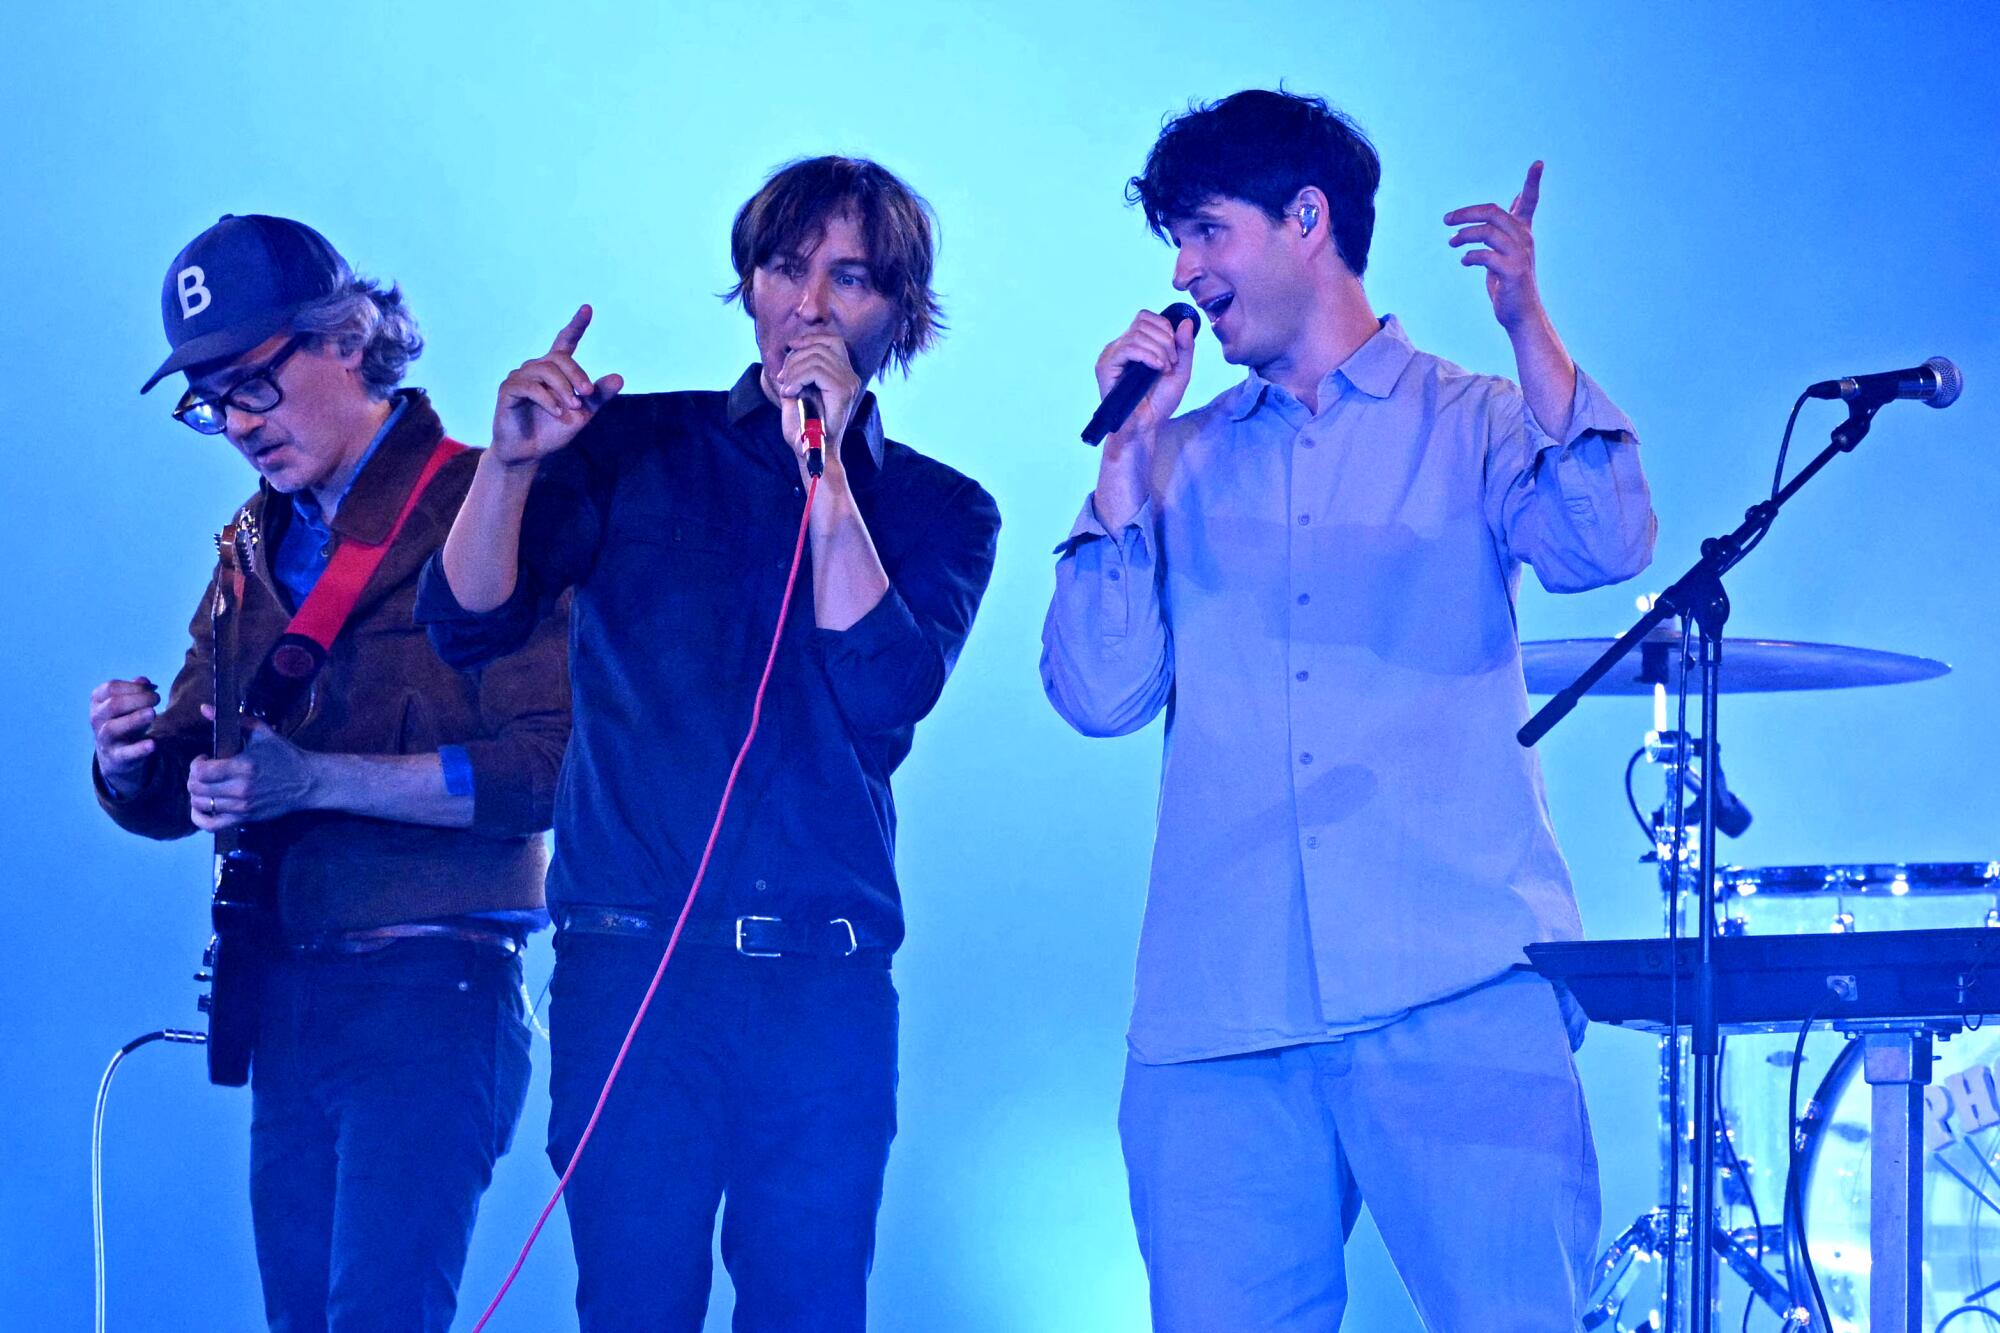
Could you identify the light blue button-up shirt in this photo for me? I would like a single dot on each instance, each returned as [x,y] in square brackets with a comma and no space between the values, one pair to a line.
[1324,605]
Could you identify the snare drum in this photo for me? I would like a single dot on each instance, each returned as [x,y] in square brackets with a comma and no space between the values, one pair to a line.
[1962,1231]
[1805,900]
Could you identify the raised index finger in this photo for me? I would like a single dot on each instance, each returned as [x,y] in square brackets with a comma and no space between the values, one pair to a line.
[1531,194]
[572,332]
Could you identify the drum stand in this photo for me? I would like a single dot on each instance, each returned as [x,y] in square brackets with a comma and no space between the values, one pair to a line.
[1896,1057]
[1663,1234]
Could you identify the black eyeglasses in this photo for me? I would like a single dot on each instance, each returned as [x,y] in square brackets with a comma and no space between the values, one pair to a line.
[256,392]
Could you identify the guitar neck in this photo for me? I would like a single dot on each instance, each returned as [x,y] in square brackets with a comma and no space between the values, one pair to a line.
[227,743]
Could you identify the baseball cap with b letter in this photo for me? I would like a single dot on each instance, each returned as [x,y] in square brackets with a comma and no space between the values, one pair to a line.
[238,283]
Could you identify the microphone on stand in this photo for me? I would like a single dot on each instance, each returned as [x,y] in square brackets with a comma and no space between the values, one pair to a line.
[1732,817]
[1135,380]
[1937,382]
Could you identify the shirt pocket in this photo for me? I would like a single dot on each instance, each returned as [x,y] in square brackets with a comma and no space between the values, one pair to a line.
[417,729]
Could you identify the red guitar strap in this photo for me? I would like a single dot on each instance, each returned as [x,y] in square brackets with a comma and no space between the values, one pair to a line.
[300,652]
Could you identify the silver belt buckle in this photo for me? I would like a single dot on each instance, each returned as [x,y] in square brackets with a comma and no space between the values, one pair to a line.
[754,953]
[852,942]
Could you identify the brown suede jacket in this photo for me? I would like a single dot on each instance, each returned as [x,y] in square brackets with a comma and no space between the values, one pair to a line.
[382,691]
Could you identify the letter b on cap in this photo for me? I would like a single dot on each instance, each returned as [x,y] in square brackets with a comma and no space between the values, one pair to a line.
[195,297]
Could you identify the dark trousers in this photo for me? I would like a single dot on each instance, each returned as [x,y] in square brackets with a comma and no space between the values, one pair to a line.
[383,1089]
[768,1082]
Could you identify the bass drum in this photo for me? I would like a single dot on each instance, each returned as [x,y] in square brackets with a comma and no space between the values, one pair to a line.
[1961,1205]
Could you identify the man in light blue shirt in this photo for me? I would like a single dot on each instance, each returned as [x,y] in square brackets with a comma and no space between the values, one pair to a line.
[1314,575]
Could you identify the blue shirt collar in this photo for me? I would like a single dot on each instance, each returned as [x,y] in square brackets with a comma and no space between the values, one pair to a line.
[307,507]
[1373,368]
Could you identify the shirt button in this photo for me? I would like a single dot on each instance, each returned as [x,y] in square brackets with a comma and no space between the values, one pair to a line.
[1113,575]
[1304,598]
[1302,675]
[761,886]
[1304,519]
[1306,758]
[1309,443]
[326,551]
[1312,842]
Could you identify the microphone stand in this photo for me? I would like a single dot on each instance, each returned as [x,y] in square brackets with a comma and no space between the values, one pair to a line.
[1699,596]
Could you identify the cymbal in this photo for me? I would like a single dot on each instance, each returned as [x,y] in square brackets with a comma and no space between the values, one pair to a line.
[1749,666]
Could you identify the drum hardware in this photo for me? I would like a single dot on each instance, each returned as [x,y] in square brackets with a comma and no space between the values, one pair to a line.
[1639,1256]
[1699,599]
[1893,992]
[1645,1242]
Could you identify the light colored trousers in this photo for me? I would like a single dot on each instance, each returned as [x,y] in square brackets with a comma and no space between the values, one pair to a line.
[1461,1125]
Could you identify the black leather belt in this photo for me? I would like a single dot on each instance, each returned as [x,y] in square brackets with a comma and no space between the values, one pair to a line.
[751,936]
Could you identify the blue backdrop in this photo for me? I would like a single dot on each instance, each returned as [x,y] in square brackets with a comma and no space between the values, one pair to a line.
[1738,201]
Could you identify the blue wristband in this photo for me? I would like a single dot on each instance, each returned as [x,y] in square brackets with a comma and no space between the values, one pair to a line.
[457,766]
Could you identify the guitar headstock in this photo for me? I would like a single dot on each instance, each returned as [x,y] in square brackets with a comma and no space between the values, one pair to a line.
[236,541]
[233,546]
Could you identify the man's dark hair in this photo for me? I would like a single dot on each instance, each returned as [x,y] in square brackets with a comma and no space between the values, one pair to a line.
[792,209]
[1263,147]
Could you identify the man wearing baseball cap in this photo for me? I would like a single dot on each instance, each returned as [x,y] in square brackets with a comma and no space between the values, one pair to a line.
[396,805]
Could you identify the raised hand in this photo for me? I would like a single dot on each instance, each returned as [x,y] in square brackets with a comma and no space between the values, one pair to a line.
[120,713]
[545,402]
[1509,256]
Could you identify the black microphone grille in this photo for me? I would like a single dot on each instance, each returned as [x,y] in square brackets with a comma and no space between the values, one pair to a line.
[1181,310]
[1951,382]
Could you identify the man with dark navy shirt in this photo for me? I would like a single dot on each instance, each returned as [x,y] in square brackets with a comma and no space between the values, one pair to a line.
[765,1073]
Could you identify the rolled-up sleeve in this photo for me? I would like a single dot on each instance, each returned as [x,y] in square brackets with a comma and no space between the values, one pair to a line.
[1577,509]
[888,668]
[467,640]
[525,718]
[1107,655]
[560,532]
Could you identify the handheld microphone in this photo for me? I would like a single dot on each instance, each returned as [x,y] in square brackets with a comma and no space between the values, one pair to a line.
[1135,380]
[812,425]
[1937,382]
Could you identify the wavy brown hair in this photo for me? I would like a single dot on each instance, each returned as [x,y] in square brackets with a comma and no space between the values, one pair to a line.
[790,212]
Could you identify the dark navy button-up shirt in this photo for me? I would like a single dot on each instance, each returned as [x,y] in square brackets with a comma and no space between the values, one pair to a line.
[673,517]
